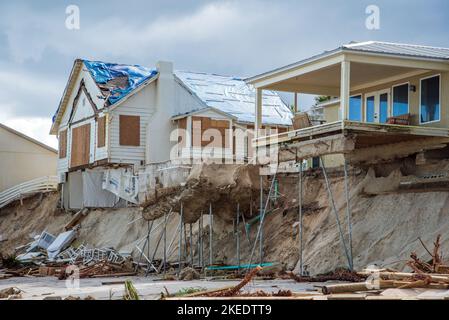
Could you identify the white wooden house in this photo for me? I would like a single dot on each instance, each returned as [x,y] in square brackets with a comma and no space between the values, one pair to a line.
[114,120]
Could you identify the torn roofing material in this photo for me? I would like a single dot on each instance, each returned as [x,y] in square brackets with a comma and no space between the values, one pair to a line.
[230,95]
[233,96]
[118,80]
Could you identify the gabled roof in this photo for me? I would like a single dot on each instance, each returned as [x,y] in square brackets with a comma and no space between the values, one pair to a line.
[369,47]
[24,136]
[233,96]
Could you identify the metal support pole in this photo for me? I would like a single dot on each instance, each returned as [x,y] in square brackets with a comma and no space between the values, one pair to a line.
[198,243]
[301,261]
[201,241]
[348,213]
[261,212]
[211,221]
[147,242]
[191,245]
[180,240]
[238,236]
[165,243]
[259,229]
[334,208]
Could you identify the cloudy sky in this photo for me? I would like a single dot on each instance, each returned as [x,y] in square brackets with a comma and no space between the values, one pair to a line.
[239,38]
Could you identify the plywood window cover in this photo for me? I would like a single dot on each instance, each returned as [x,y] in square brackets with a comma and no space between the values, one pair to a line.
[201,124]
[63,144]
[80,152]
[129,130]
[101,134]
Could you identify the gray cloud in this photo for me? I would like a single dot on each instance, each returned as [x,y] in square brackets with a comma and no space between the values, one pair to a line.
[230,37]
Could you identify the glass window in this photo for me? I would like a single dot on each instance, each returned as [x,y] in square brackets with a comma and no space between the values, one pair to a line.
[430,99]
[355,108]
[400,100]
[383,108]
[370,109]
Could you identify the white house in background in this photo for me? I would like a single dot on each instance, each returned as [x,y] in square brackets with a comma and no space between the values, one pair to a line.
[115,121]
[23,158]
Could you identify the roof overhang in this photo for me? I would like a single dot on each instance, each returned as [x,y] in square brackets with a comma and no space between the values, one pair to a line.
[76,69]
[195,112]
[299,77]
[24,136]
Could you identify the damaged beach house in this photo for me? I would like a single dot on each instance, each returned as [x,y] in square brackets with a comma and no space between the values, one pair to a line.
[123,129]
[387,103]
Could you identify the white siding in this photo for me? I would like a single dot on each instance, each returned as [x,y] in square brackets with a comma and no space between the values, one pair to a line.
[94,92]
[185,102]
[83,109]
[143,105]
[101,153]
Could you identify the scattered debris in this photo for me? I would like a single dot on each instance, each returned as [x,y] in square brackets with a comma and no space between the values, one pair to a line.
[235,290]
[339,274]
[10,292]
[188,274]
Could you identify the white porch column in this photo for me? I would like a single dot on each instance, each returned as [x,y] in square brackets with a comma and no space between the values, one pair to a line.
[258,123]
[345,84]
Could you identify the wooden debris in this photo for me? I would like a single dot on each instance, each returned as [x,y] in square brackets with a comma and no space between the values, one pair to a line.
[337,275]
[77,218]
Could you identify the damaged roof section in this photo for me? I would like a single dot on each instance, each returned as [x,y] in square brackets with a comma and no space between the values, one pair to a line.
[233,96]
[117,80]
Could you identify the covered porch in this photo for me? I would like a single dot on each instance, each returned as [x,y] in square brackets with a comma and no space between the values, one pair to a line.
[365,84]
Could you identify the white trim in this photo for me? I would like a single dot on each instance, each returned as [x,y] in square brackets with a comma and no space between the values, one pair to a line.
[392,96]
[361,105]
[439,98]
[376,95]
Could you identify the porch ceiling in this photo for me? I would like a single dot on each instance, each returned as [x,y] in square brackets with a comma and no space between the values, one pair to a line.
[326,81]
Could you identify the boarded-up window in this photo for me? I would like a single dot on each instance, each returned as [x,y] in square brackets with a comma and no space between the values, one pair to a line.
[182,127]
[101,132]
[210,133]
[129,130]
[80,152]
[63,144]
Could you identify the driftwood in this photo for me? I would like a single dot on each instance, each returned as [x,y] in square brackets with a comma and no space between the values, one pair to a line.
[380,285]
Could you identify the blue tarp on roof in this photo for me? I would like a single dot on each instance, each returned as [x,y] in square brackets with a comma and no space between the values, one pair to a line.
[230,95]
[104,72]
